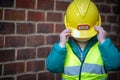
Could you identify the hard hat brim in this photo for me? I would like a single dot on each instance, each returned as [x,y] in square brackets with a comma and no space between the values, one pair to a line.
[83,33]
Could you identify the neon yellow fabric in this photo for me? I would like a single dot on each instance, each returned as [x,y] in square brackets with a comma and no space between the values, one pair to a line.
[89,67]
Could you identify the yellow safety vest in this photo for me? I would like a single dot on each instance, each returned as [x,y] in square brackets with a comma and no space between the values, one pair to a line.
[91,69]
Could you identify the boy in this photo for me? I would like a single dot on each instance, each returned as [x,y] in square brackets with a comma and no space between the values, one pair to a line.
[84,52]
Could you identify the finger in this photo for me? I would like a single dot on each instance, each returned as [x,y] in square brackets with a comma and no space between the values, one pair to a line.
[67,30]
[99,29]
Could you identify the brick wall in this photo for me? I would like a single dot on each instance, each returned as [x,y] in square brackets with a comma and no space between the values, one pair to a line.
[28,29]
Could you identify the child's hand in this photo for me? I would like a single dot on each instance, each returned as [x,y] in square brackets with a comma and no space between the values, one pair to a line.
[64,36]
[101,34]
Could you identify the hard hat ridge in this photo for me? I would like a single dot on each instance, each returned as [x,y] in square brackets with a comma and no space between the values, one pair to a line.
[82,6]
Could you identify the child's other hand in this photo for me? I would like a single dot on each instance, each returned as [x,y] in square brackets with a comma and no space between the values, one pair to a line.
[64,36]
[101,34]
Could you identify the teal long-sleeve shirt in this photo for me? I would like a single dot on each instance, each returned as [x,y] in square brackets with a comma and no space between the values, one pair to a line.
[110,55]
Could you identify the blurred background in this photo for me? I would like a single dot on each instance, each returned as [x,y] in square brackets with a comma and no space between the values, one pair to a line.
[29,28]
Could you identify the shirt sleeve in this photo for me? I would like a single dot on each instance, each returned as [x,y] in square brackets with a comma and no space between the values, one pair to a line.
[110,55]
[56,58]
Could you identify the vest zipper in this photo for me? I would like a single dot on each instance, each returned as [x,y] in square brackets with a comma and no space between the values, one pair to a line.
[80,61]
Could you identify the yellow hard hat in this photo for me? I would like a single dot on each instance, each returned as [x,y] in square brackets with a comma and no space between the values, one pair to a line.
[81,17]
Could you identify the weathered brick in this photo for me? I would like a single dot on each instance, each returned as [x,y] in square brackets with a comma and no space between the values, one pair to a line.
[46,76]
[105,8]
[35,40]
[58,76]
[112,19]
[23,54]
[114,38]
[1,42]
[53,16]
[107,27]
[25,4]
[14,68]
[1,14]
[36,16]
[52,39]
[0,69]
[111,1]
[116,29]
[118,74]
[7,28]
[98,1]
[59,28]
[36,65]
[45,4]
[7,55]
[45,28]
[62,5]
[15,15]
[6,3]
[25,28]
[26,77]
[103,18]
[7,78]
[43,52]
[116,9]
[113,75]
[14,41]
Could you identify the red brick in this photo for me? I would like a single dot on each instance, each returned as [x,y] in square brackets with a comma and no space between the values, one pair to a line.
[15,15]
[119,74]
[7,55]
[43,52]
[113,75]
[52,39]
[36,66]
[24,54]
[14,68]
[25,4]
[7,78]
[25,28]
[0,69]
[36,16]
[62,5]
[56,17]
[45,4]
[98,1]
[46,76]
[14,41]
[58,76]
[116,29]
[116,9]
[1,14]
[45,28]
[35,40]
[112,19]
[111,1]
[26,77]
[6,3]
[103,18]
[114,38]
[105,8]
[7,28]
[59,28]
[107,27]
[1,42]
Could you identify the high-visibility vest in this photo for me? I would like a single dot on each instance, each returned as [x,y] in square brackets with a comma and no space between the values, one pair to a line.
[92,68]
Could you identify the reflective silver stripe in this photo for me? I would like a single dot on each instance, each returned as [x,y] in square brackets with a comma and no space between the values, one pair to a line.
[73,70]
[93,68]
[89,68]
